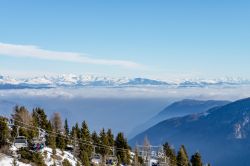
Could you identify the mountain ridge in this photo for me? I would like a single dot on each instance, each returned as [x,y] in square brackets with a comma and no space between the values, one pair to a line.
[178,109]
[227,126]
[70,80]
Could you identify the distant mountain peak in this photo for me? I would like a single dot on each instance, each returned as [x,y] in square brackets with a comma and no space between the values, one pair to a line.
[72,80]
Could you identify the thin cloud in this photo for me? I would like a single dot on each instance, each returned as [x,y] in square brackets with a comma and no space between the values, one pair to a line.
[39,53]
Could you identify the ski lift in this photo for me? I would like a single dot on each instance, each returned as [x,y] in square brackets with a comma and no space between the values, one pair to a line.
[39,142]
[96,159]
[112,160]
[20,141]
[10,122]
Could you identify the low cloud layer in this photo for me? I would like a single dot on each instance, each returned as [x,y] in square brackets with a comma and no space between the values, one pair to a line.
[134,92]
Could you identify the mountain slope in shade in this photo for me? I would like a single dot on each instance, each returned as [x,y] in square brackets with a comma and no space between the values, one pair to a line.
[221,135]
[178,109]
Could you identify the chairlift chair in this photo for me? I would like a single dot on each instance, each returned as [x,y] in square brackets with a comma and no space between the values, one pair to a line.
[111,160]
[10,122]
[96,159]
[20,142]
[38,144]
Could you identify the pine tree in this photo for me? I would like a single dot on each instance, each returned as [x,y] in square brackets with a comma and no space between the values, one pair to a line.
[104,149]
[196,159]
[40,118]
[170,153]
[122,148]
[182,157]
[96,141]
[66,132]
[86,140]
[78,131]
[50,138]
[85,159]
[4,132]
[60,141]
[110,138]
[66,127]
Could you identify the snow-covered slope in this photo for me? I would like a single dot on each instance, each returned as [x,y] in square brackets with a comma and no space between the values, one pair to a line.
[8,160]
[71,80]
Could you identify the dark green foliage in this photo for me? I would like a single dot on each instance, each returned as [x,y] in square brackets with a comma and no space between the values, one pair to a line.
[104,150]
[34,157]
[86,140]
[40,118]
[196,159]
[60,141]
[170,153]
[50,139]
[122,144]
[4,132]
[182,157]
[66,127]
[110,137]
[76,130]
[66,163]
[85,159]
[96,141]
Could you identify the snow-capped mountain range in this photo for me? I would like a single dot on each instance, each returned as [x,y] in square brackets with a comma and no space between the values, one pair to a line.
[70,80]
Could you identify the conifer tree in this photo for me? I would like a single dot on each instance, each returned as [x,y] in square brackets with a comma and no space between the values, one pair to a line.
[104,149]
[96,141]
[66,132]
[196,159]
[50,138]
[110,138]
[170,153]
[75,131]
[86,140]
[66,127]
[4,132]
[122,148]
[60,141]
[85,159]
[182,157]
[40,118]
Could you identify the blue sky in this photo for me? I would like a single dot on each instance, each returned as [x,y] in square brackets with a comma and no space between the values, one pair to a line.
[146,38]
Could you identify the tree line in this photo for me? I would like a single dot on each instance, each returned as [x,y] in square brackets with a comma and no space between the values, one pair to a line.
[83,142]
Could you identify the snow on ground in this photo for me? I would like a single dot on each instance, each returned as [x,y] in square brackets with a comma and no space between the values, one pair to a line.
[8,160]
[60,156]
